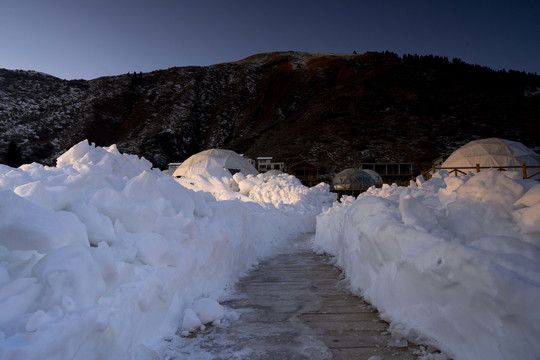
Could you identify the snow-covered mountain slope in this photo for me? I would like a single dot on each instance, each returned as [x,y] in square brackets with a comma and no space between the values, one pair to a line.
[332,110]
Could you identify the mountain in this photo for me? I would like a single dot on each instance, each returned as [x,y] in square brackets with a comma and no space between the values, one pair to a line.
[332,110]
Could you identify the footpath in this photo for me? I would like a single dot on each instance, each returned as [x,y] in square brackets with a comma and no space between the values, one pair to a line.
[295,305]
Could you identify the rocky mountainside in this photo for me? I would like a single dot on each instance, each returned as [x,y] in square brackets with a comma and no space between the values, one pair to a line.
[332,110]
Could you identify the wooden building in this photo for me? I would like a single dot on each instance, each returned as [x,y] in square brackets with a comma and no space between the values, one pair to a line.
[399,173]
[306,172]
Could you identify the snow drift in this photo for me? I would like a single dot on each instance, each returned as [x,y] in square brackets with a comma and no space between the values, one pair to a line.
[101,256]
[453,260]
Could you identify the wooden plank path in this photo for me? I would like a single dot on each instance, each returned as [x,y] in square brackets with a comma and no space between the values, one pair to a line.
[295,306]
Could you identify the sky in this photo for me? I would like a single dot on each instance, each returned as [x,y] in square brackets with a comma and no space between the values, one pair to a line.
[86,39]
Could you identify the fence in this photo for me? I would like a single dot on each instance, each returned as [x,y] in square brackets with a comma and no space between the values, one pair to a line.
[459,170]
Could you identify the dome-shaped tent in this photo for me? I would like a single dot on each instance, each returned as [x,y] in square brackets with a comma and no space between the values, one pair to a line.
[352,179]
[215,162]
[492,152]
[375,176]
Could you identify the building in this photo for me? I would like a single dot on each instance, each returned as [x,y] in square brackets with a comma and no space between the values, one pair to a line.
[306,172]
[172,167]
[251,161]
[438,162]
[265,163]
[399,173]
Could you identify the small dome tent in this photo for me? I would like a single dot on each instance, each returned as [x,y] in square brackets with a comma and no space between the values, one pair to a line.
[375,176]
[492,152]
[215,162]
[352,179]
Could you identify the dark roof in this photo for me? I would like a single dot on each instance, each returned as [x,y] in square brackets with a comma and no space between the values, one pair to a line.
[305,164]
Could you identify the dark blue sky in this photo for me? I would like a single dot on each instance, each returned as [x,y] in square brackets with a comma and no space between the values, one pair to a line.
[92,38]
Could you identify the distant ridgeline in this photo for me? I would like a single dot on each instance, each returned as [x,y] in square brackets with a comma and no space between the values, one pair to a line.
[333,111]
[516,80]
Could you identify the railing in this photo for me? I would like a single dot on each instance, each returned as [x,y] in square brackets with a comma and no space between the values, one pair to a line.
[459,170]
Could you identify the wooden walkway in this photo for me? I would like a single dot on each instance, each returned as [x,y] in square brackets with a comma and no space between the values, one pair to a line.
[294,306]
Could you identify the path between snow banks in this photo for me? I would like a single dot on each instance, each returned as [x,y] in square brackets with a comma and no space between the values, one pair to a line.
[294,306]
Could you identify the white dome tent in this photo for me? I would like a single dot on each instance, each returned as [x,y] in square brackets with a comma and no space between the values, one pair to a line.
[215,163]
[493,152]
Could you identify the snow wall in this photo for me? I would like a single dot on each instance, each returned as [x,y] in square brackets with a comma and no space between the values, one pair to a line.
[102,256]
[454,260]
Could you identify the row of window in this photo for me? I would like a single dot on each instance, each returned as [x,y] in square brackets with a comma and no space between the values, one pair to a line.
[271,166]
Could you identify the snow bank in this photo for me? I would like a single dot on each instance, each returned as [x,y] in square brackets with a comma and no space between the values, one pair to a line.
[101,256]
[455,260]
[281,192]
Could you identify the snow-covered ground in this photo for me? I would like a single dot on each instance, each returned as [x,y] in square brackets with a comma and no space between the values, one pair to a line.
[453,260]
[102,256]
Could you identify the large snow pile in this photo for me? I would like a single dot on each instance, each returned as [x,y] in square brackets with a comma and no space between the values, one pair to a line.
[453,259]
[102,255]
[282,191]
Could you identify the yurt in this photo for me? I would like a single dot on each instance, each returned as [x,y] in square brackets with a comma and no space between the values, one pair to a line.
[352,179]
[215,162]
[492,152]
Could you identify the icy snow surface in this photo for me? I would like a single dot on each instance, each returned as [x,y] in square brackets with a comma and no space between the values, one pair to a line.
[452,260]
[102,256]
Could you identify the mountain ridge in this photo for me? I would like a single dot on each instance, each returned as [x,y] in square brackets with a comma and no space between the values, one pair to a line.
[334,110]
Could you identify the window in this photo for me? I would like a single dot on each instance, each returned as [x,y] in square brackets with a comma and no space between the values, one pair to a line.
[406,169]
[392,169]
